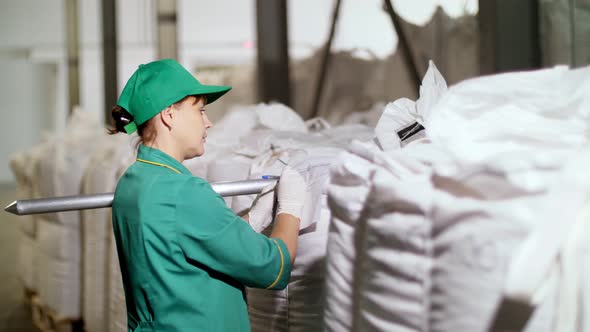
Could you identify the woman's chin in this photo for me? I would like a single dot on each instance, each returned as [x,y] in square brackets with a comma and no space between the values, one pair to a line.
[195,152]
[198,152]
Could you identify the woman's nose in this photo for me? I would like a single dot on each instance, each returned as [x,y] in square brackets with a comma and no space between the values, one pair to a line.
[208,123]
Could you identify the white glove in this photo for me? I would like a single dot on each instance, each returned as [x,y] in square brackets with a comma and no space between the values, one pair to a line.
[260,215]
[292,190]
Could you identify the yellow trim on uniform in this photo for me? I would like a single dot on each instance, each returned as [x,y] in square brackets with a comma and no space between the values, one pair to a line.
[158,164]
[282,266]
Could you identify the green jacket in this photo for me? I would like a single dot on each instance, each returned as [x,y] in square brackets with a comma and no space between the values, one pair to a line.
[185,257]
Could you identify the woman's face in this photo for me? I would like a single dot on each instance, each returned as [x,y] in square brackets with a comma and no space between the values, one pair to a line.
[190,129]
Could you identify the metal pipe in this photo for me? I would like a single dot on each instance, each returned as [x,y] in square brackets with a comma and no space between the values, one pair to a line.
[238,188]
[96,201]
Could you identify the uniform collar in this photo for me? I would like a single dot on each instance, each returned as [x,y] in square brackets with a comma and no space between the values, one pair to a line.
[158,158]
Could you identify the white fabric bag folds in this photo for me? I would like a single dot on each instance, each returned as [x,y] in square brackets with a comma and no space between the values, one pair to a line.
[496,198]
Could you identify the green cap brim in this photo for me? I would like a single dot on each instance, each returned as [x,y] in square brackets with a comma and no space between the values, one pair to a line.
[213,92]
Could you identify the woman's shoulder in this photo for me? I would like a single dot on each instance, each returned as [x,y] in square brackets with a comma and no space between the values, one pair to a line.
[181,184]
[194,185]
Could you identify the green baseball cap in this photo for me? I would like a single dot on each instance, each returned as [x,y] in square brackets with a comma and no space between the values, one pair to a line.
[159,84]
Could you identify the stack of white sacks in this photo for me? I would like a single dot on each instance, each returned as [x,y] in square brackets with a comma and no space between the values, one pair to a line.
[23,165]
[67,257]
[59,167]
[481,224]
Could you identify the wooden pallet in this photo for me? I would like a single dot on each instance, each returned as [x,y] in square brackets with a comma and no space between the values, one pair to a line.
[28,295]
[47,320]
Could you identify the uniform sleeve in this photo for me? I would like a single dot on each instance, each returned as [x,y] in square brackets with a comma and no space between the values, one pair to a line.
[212,234]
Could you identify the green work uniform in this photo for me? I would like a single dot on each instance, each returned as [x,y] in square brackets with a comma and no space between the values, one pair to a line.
[185,257]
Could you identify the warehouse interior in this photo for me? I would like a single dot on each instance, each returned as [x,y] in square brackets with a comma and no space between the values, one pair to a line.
[445,143]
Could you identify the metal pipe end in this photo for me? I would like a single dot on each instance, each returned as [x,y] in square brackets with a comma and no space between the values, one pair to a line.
[12,208]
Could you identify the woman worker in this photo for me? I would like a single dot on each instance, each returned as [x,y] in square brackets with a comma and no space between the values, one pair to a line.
[185,257]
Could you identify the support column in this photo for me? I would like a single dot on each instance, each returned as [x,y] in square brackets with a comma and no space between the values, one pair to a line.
[73,54]
[509,35]
[273,51]
[167,29]
[109,53]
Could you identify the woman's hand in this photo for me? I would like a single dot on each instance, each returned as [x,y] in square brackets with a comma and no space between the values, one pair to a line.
[260,215]
[292,189]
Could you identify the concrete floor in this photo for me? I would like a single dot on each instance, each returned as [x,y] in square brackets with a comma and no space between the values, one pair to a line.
[14,315]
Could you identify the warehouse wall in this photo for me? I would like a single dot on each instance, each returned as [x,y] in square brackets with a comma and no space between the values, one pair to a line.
[28,107]
[32,84]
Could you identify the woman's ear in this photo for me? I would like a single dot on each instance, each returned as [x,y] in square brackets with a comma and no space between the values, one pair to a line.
[167,117]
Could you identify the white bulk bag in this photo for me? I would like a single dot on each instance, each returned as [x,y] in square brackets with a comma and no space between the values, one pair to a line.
[59,266]
[379,245]
[348,190]
[556,255]
[59,241]
[489,186]
[299,306]
[62,287]
[473,241]
[424,256]
[62,165]
[494,122]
